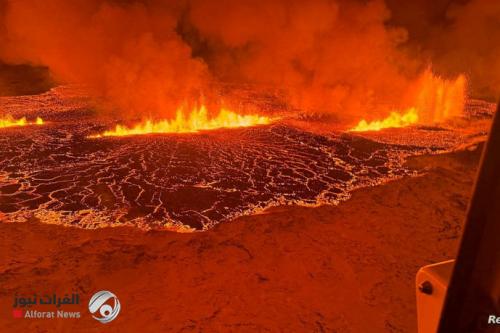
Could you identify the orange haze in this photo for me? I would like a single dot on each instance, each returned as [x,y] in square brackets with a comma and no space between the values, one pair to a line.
[145,58]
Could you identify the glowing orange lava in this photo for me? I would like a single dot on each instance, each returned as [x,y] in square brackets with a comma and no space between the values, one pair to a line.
[9,121]
[433,100]
[437,99]
[198,120]
[394,120]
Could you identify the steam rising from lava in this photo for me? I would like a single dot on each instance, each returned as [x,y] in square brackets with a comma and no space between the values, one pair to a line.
[466,40]
[147,57]
[126,52]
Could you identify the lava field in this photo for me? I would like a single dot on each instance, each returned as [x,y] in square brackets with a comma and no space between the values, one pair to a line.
[188,182]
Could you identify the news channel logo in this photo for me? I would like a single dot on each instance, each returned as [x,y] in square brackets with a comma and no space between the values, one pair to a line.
[105,305]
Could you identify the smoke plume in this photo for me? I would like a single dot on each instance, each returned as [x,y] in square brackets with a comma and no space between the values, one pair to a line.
[329,56]
[127,52]
[147,57]
[468,42]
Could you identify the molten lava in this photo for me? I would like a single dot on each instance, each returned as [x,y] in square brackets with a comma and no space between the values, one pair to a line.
[394,120]
[438,99]
[198,120]
[433,100]
[9,121]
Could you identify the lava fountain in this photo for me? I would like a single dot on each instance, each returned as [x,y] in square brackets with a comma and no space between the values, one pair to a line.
[394,120]
[433,99]
[9,121]
[197,120]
